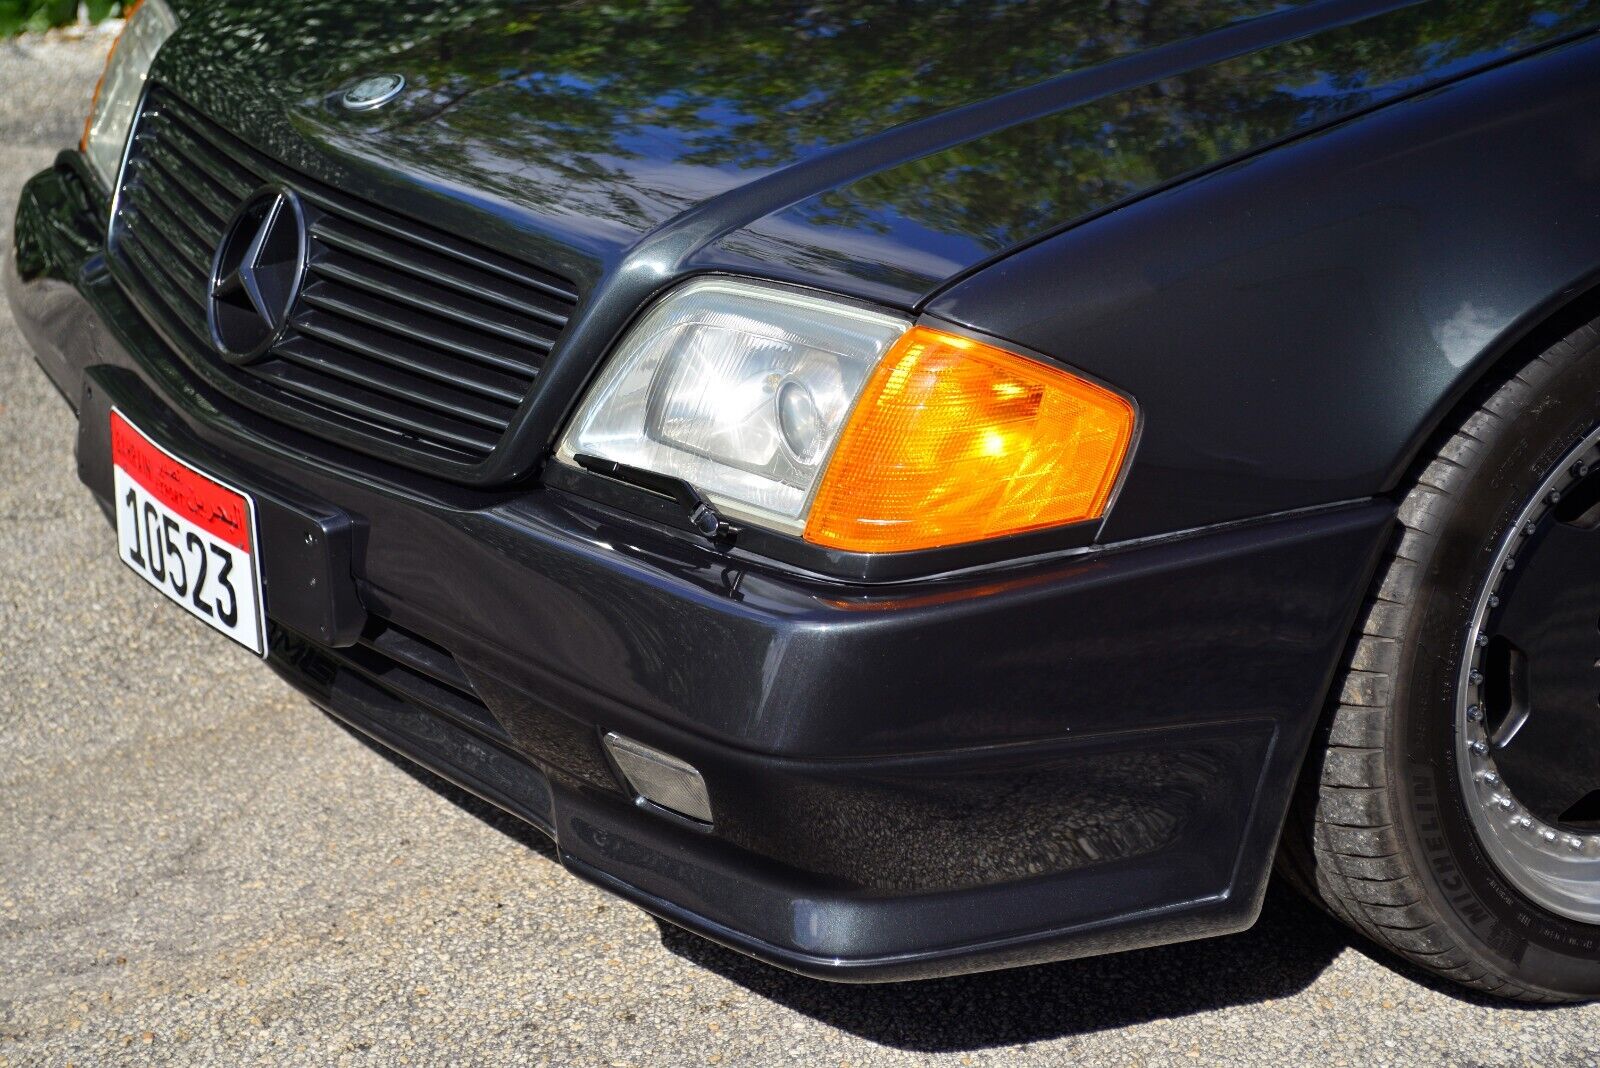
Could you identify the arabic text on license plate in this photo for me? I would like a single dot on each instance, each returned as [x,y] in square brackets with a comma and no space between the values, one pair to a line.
[188,535]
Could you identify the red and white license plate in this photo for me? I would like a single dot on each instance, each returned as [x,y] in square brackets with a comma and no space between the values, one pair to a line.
[188,535]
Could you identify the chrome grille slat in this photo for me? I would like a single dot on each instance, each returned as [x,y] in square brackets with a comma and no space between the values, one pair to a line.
[380,410]
[405,340]
[340,363]
[234,169]
[352,304]
[434,241]
[189,276]
[228,178]
[402,354]
[379,248]
[216,205]
[176,301]
[171,201]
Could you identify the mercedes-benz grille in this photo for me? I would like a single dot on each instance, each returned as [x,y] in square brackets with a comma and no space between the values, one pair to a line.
[403,341]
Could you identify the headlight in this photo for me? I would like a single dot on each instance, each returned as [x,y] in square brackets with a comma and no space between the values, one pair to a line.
[105,134]
[737,388]
[850,426]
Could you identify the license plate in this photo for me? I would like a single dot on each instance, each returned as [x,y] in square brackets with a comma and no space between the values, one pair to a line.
[188,535]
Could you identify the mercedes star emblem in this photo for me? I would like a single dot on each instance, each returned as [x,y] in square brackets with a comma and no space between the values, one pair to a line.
[373,92]
[256,274]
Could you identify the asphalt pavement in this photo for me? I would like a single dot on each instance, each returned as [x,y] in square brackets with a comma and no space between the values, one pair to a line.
[198,867]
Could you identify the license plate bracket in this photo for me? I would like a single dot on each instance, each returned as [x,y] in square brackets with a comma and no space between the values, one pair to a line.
[311,552]
[190,535]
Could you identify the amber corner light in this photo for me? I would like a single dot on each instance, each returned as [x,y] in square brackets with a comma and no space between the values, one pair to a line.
[956,441]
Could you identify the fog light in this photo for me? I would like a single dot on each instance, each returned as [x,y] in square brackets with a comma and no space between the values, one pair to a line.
[661,779]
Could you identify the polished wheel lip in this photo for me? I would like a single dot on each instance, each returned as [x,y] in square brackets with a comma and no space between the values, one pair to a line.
[1555,868]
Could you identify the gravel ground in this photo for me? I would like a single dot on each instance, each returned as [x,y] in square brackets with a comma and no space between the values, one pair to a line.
[196,867]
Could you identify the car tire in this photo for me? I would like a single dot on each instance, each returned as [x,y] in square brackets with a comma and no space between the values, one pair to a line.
[1392,828]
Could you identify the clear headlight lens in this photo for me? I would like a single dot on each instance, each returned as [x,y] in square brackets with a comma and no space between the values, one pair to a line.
[738,388]
[849,426]
[105,134]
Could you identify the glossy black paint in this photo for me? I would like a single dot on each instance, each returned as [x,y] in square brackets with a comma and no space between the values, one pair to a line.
[592,124]
[624,152]
[1295,325]
[1296,234]
[906,782]
[1102,137]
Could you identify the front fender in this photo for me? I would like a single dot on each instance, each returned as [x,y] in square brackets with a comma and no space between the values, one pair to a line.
[1295,326]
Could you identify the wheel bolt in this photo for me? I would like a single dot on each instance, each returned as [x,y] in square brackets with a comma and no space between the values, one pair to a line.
[1554,496]
[1504,802]
[1475,677]
[1523,821]
[1548,835]
[1531,528]
[1483,640]
[1490,777]
[1474,713]
[1580,469]
[1574,842]
[1478,748]
[1494,600]
[1511,562]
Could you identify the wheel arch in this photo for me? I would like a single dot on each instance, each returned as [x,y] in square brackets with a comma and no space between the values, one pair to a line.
[1540,327]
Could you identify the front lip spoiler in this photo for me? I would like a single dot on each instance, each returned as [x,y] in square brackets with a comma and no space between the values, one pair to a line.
[507,781]
[529,795]
[1091,938]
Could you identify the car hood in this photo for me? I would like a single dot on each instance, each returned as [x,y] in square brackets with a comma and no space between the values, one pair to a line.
[877,147]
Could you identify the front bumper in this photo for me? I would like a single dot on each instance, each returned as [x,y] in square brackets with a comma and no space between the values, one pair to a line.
[1087,753]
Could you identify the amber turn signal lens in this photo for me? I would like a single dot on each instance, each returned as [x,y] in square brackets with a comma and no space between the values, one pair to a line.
[955,441]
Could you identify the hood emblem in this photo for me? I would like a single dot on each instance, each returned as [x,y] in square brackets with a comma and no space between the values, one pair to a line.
[256,274]
[373,92]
